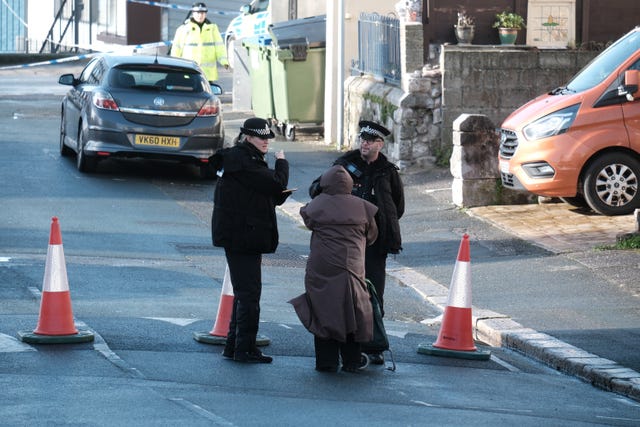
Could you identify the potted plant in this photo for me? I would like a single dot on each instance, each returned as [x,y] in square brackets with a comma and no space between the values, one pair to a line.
[508,24]
[464,28]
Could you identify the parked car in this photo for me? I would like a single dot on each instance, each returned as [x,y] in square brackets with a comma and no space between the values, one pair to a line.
[254,20]
[581,142]
[140,106]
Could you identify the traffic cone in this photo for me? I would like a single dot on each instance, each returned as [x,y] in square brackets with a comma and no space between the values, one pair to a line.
[55,324]
[218,335]
[456,332]
[225,307]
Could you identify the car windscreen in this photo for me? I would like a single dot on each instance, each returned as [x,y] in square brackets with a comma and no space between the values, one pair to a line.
[604,64]
[163,79]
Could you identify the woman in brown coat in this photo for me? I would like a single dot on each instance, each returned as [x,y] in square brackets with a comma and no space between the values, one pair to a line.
[336,307]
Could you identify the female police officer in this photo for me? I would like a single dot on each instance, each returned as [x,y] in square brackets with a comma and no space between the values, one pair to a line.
[244,224]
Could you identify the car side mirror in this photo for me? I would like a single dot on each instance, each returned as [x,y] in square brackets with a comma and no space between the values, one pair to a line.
[216,88]
[629,86]
[67,79]
[245,9]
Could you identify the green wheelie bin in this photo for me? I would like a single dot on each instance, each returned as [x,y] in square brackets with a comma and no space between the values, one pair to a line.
[297,63]
[259,52]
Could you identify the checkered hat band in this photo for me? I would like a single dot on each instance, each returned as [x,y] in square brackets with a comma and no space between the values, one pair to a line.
[371,131]
[264,131]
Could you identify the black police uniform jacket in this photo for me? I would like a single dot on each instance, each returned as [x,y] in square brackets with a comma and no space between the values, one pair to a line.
[244,216]
[380,184]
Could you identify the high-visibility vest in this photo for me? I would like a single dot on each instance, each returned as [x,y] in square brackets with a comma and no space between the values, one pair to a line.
[204,46]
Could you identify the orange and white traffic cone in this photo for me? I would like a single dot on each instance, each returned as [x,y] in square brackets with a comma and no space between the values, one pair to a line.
[225,307]
[456,332]
[218,335]
[55,324]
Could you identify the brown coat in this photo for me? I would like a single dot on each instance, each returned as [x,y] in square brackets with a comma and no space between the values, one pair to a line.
[336,302]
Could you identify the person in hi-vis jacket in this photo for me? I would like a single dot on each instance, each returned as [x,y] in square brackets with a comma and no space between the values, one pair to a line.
[199,39]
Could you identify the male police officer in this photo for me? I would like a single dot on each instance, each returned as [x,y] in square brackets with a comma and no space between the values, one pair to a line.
[199,39]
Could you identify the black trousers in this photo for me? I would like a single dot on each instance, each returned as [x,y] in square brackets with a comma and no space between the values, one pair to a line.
[375,265]
[328,352]
[246,278]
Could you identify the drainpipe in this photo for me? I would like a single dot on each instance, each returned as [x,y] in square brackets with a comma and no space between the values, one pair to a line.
[340,77]
[78,6]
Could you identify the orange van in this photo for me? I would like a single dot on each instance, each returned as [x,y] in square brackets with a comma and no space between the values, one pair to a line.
[581,142]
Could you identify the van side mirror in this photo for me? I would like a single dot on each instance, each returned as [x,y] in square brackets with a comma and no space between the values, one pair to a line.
[630,84]
[245,9]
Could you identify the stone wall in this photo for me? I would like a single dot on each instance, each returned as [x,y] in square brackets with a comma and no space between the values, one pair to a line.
[413,117]
[487,80]
[474,165]
[495,80]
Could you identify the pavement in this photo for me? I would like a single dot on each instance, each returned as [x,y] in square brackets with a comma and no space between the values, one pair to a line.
[534,237]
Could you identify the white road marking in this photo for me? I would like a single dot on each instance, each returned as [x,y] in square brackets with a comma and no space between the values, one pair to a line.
[174,320]
[9,344]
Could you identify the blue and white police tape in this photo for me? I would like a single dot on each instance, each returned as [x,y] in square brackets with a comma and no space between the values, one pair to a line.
[125,49]
[51,62]
[180,7]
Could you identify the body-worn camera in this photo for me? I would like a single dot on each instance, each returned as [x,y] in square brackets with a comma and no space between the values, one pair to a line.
[353,170]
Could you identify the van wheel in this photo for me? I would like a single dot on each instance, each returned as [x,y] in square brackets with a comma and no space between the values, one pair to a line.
[611,184]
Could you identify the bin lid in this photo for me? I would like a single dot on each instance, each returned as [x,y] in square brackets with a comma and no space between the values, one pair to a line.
[310,32]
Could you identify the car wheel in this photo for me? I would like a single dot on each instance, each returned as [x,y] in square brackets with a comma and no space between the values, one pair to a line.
[611,184]
[64,150]
[230,53]
[578,201]
[84,163]
[206,171]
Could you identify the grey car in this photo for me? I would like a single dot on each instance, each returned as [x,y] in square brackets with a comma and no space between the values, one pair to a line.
[140,106]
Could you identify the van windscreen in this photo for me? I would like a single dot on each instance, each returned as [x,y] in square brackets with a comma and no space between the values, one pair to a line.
[604,64]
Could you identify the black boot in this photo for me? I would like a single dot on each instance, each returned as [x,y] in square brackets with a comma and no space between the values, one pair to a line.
[254,356]
[229,350]
[230,343]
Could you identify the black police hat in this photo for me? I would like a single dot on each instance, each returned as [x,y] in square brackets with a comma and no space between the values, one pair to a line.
[199,7]
[256,126]
[372,130]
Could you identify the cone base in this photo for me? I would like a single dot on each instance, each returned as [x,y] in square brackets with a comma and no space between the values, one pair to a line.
[471,355]
[207,338]
[33,338]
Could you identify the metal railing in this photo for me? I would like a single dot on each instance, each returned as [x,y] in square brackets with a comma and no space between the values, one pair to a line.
[14,34]
[62,27]
[378,47]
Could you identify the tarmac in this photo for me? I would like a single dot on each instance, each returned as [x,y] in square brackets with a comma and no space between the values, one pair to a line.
[557,228]
[536,242]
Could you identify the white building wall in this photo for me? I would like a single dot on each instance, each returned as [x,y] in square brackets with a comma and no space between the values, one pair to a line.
[39,16]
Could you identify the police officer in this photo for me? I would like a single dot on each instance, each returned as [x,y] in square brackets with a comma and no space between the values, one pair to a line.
[376,180]
[244,224]
[199,39]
